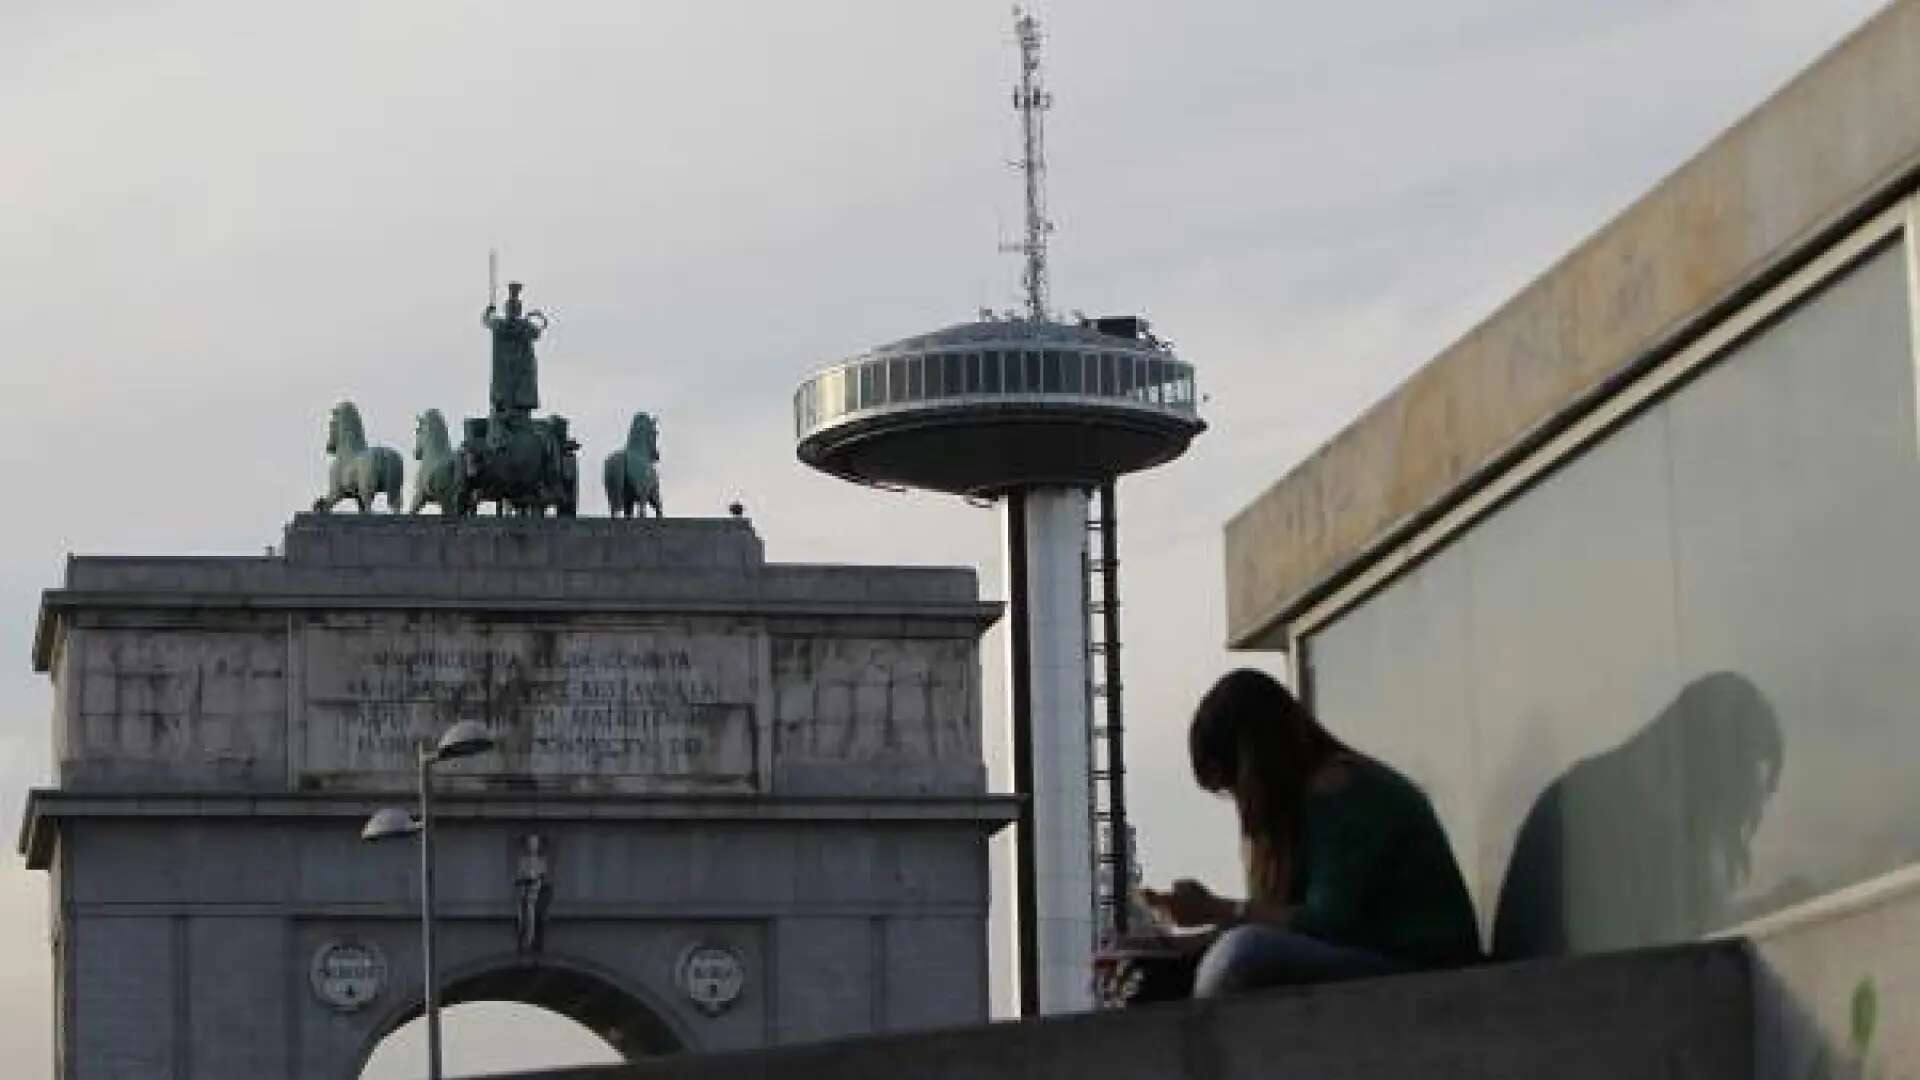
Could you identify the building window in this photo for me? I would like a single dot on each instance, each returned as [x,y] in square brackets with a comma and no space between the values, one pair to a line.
[1050,371]
[1741,547]
[897,379]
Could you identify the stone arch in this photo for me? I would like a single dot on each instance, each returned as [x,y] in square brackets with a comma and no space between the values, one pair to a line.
[631,1019]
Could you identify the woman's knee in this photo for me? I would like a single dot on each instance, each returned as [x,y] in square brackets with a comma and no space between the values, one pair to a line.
[1251,956]
[1231,963]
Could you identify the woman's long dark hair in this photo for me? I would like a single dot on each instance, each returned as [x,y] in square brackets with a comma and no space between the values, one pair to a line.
[1252,738]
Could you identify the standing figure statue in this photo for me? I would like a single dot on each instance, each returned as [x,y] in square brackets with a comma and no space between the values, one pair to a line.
[532,892]
[632,481]
[515,389]
[520,464]
[358,471]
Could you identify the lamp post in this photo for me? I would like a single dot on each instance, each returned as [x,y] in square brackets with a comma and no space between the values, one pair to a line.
[464,739]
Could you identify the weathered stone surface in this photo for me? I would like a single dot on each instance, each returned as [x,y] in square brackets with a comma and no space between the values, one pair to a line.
[638,657]
[1759,198]
[603,708]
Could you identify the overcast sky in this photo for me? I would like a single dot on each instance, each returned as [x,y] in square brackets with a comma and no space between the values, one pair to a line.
[218,218]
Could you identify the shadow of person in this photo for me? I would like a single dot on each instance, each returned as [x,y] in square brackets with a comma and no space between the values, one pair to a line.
[1645,843]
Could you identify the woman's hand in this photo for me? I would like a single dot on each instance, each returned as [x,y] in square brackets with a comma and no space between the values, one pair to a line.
[1189,903]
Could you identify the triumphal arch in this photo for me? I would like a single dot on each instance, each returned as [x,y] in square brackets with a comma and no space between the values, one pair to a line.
[732,802]
[729,802]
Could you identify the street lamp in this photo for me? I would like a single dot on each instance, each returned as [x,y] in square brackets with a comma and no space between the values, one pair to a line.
[464,739]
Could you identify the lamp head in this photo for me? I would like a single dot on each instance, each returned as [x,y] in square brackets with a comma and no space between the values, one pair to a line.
[464,739]
[388,823]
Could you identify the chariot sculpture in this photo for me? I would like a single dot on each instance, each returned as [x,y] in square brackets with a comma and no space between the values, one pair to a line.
[520,464]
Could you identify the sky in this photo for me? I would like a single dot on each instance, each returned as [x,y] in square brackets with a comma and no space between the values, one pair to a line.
[218,218]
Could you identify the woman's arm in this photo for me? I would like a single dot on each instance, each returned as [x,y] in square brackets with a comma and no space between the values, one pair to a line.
[1189,903]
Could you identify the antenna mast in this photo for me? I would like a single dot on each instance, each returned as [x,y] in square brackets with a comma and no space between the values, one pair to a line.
[1032,100]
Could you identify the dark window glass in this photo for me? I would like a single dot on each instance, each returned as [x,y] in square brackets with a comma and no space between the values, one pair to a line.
[990,373]
[973,373]
[1123,367]
[1050,371]
[955,372]
[1070,370]
[896,379]
[916,389]
[1109,375]
[934,372]
[1032,361]
[1156,388]
[1009,364]
[869,385]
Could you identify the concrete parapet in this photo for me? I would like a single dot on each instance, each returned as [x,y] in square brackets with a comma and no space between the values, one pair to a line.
[1682,1013]
[519,542]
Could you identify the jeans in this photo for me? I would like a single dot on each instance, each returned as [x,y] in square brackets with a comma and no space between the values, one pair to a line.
[1254,955]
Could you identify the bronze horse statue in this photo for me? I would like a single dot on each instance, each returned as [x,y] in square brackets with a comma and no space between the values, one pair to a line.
[359,471]
[632,481]
[437,478]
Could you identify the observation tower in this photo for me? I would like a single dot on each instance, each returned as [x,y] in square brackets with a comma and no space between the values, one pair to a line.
[1042,416]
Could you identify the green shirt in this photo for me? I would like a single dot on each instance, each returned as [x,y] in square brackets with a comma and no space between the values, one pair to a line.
[1373,870]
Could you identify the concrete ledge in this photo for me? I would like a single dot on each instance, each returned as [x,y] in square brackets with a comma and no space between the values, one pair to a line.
[1678,1013]
[1833,146]
[381,562]
[615,543]
[47,807]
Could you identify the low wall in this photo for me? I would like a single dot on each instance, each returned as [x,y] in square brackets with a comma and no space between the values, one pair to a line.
[1678,1013]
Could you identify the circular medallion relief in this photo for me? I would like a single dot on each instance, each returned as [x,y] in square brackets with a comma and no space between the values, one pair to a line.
[711,976]
[348,974]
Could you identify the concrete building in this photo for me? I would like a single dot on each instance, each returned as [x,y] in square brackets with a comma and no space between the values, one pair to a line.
[733,803]
[1624,578]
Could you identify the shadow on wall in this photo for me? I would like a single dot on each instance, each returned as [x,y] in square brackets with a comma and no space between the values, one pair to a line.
[1645,843]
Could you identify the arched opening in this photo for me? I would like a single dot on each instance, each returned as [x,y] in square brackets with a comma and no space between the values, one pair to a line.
[485,1037]
[520,1015]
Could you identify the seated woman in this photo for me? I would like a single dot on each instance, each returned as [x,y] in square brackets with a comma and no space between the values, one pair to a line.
[1349,873]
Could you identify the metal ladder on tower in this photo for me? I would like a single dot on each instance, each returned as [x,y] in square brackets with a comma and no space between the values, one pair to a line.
[1107,771]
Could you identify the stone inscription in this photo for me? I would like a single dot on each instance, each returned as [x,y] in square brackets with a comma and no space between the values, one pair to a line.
[663,704]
